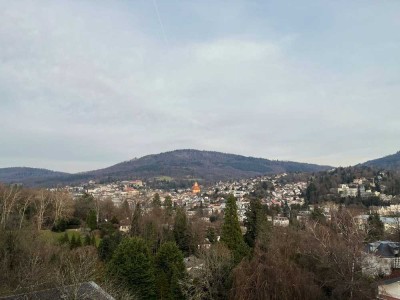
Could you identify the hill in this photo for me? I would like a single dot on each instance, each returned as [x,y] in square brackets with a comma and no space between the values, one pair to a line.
[206,166]
[390,162]
[26,175]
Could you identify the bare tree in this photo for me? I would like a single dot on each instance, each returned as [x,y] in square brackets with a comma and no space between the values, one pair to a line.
[8,198]
[210,274]
[62,204]
[22,206]
[42,201]
[97,206]
[76,267]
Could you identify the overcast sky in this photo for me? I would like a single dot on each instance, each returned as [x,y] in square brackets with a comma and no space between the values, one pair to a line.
[86,84]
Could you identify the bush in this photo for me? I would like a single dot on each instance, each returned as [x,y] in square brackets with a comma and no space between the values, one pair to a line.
[60,226]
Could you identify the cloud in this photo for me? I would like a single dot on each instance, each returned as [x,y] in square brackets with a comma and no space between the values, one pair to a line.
[84,85]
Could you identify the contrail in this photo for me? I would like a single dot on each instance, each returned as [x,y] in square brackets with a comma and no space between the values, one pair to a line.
[161,23]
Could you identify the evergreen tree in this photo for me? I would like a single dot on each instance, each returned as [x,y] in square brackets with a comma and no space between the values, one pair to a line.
[170,269]
[108,245]
[252,221]
[317,214]
[231,233]
[182,232]
[156,201]
[93,241]
[64,239]
[91,220]
[286,210]
[150,235]
[87,241]
[78,241]
[211,235]
[168,205]
[136,224]
[311,194]
[375,228]
[132,265]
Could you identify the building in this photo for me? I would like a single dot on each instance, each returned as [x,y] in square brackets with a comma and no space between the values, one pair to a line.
[381,258]
[281,221]
[196,188]
[125,226]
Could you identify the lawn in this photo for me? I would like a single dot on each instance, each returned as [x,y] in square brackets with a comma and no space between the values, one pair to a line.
[54,237]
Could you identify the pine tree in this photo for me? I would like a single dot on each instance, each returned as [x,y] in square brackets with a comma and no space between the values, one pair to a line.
[211,235]
[87,240]
[150,235]
[311,194]
[168,205]
[375,227]
[170,269]
[231,233]
[156,201]
[182,232]
[78,241]
[253,218]
[91,220]
[132,265]
[105,249]
[107,246]
[93,240]
[136,224]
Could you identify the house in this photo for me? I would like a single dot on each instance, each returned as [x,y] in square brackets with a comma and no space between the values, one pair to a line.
[125,225]
[281,221]
[345,190]
[381,257]
[303,215]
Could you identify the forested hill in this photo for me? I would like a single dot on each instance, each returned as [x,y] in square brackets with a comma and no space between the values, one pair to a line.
[26,175]
[390,162]
[206,166]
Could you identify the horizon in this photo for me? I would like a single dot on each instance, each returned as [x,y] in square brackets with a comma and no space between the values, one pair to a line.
[115,163]
[86,85]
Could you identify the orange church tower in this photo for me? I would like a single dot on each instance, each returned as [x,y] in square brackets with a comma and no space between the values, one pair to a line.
[196,188]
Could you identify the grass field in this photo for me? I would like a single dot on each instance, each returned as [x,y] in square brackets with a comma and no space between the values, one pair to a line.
[163,178]
[54,237]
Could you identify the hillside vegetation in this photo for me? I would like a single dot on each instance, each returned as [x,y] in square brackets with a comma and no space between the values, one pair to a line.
[206,166]
[389,162]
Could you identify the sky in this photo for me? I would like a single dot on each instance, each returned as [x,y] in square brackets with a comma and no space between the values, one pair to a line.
[87,84]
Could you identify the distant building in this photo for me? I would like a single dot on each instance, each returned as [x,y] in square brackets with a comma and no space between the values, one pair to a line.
[196,188]
[281,221]
[125,226]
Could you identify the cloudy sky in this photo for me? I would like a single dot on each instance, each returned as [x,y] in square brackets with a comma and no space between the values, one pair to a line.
[86,84]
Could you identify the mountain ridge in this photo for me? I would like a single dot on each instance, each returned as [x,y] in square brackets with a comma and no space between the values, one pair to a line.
[388,162]
[181,164]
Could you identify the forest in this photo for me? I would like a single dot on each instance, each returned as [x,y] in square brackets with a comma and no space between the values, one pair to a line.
[49,240]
